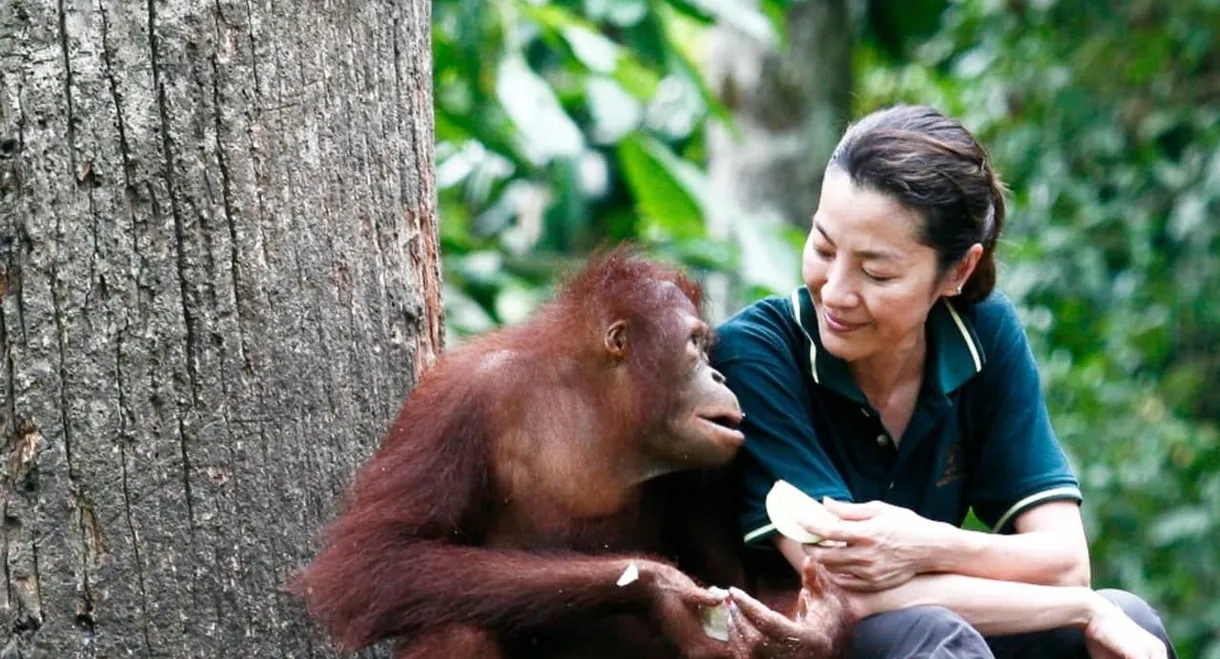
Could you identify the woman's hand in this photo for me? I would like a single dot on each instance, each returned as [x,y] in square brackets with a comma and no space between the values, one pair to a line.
[874,546]
[1112,634]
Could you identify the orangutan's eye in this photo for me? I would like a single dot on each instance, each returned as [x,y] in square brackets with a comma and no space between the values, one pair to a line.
[700,341]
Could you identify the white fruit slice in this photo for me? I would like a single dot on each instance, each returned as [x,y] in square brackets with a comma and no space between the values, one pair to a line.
[630,575]
[785,504]
[715,619]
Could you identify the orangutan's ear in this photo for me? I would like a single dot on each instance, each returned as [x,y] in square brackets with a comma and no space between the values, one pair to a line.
[616,339]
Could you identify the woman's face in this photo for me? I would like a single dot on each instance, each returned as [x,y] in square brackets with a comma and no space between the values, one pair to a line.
[872,281]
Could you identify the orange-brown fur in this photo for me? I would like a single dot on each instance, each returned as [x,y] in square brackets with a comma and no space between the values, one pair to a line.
[491,508]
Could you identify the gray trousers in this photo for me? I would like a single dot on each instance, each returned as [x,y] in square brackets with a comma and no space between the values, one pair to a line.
[933,632]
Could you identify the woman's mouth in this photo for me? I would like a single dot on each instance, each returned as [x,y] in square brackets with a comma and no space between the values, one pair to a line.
[838,325]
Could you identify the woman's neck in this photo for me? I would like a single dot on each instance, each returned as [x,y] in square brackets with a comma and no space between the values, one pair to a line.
[879,375]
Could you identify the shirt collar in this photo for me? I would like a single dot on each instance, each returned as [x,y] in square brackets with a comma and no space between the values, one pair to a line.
[954,353]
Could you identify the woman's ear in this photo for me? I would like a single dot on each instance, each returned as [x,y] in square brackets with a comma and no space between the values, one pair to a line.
[960,273]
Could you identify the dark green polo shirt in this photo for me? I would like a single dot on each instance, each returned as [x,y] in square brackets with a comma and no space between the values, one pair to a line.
[979,438]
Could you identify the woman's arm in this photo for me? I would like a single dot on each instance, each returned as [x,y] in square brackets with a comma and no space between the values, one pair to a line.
[1049,547]
[881,546]
[993,607]
[990,606]
[997,608]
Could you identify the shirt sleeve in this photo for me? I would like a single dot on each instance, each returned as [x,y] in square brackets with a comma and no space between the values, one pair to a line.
[1020,464]
[756,354]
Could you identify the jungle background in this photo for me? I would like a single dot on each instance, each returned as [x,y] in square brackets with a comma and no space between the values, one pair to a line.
[698,129]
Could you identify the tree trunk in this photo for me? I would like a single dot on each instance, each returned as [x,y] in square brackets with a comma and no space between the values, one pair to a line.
[790,105]
[218,252]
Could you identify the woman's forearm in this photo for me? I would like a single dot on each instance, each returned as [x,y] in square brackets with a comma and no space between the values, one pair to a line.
[1035,557]
[993,607]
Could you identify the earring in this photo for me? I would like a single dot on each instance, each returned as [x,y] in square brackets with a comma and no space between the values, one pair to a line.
[959,290]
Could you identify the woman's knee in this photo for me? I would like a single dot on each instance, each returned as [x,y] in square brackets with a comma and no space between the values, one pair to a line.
[917,632]
[1139,611]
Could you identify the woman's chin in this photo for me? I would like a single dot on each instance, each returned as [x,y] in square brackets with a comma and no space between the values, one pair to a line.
[847,349]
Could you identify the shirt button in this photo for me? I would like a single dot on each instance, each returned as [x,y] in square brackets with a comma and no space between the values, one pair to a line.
[882,440]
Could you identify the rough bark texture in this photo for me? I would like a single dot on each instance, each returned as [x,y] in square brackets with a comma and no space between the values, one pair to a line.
[790,105]
[218,259]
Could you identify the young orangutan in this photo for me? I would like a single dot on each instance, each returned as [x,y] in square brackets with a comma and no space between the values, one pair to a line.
[549,490]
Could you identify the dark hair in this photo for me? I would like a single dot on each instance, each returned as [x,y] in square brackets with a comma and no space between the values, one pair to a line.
[933,165]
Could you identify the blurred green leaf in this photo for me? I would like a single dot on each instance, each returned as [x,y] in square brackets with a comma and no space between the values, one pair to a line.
[464,315]
[635,78]
[516,301]
[741,16]
[595,51]
[668,190]
[701,253]
[1181,524]
[681,59]
[622,13]
[546,130]
[768,259]
[614,113]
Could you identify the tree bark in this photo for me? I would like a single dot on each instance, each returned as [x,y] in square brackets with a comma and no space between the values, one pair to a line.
[219,269]
[790,105]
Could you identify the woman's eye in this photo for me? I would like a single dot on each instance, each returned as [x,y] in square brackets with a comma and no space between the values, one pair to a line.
[878,278]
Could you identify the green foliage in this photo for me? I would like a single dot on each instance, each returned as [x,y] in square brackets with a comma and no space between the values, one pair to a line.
[565,124]
[562,126]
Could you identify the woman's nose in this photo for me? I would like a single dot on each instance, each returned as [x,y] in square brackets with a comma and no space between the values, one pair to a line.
[836,291]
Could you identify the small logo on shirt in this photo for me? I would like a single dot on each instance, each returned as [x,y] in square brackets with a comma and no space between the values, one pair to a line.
[953,465]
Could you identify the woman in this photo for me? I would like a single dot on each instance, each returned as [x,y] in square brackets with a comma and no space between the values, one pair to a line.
[899,387]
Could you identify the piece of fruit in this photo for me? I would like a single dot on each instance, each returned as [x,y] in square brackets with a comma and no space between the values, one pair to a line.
[786,504]
[629,575]
[716,618]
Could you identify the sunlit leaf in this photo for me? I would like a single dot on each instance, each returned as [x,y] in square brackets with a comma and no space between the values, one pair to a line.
[595,51]
[546,130]
[667,189]
[767,258]
[704,253]
[623,13]
[1180,524]
[709,99]
[637,79]
[515,216]
[692,12]
[470,160]
[614,112]
[777,12]
[677,108]
[516,302]
[741,16]
[463,315]
[461,127]
[683,57]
